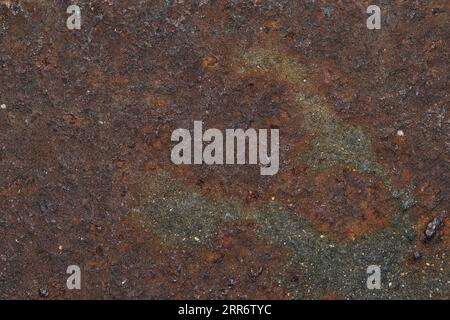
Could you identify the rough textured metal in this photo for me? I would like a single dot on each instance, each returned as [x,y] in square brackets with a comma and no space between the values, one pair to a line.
[85,171]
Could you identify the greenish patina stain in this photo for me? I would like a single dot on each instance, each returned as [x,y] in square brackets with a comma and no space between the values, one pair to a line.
[182,216]
[178,215]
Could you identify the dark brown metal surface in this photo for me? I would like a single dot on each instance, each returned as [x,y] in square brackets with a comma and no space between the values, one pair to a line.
[85,170]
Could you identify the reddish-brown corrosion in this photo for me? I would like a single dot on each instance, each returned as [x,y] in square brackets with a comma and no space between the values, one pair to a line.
[88,117]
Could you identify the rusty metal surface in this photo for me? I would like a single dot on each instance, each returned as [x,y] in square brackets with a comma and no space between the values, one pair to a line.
[85,170]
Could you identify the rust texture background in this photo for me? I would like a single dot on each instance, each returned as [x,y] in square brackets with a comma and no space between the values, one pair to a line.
[85,170]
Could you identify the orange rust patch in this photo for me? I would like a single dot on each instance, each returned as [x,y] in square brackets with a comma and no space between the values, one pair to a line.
[210,61]
[158,100]
[345,204]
